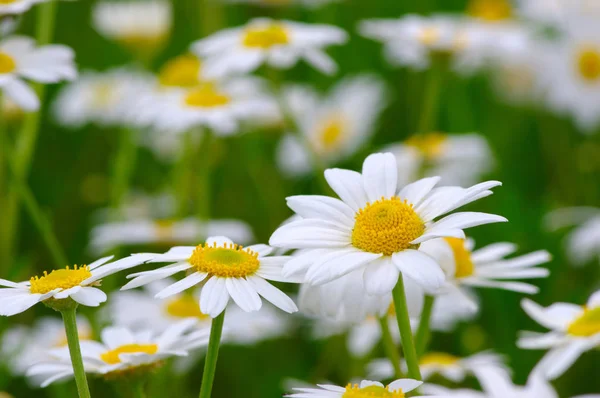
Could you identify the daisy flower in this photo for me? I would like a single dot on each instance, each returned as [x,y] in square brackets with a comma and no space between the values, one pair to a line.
[230,271]
[335,126]
[365,389]
[21,59]
[459,159]
[124,353]
[574,330]
[583,243]
[279,44]
[77,283]
[140,26]
[17,6]
[376,227]
[311,4]
[446,365]
[435,390]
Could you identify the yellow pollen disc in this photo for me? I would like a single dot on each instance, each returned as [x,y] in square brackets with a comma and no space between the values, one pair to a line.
[438,359]
[266,37]
[430,145]
[386,226]
[164,229]
[331,133]
[462,257]
[354,391]
[8,1]
[181,71]
[59,279]
[490,10]
[112,357]
[588,324]
[205,96]
[229,261]
[185,306]
[7,63]
[103,95]
[140,41]
[588,64]
[429,36]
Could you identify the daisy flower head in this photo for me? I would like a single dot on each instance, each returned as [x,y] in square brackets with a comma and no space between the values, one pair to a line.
[61,287]
[490,10]
[459,159]
[278,44]
[9,7]
[21,59]
[574,330]
[123,353]
[365,389]
[140,26]
[376,227]
[230,271]
[335,126]
[583,243]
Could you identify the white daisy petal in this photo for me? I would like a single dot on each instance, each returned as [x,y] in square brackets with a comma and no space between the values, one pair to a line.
[89,296]
[214,297]
[184,284]
[272,294]
[348,185]
[243,294]
[380,176]
[420,267]
[381,276]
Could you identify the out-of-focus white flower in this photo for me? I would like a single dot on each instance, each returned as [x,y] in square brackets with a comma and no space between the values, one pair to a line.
[459,159]
[574,330]
[141,26]
[24,346]
[435,390]
[103,98]
[558,13]
[583,243]
[123,351]
[77,284]
[448,366]
[21,59]
[366,388]
[17,6]
[312,4]
[279,44]
[335,126]
[247,328]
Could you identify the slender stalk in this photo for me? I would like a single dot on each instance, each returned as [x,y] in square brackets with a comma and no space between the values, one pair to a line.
[210,364]
[390,348]
[423,332]
[408,343]
[123,166]
[70,321]
[138,390]
[431,99]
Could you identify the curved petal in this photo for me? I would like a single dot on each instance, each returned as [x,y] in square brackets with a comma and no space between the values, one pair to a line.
[421,268]
[348,185]
[380,276]
[380,176]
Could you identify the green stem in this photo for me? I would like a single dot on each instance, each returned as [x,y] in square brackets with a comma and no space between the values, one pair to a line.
[431,98]
[390,348]
[123,166]
[210,364]
[182,175]
[408,343]
[138,390]
[423,332]
[203,183]
[70,320]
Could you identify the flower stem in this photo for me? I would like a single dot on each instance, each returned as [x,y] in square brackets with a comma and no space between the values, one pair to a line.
[408,343]
[423,332]
[203,182]
[212,354]
[390,348]
[138,390]
[70,320]
[123,166]
[431,99]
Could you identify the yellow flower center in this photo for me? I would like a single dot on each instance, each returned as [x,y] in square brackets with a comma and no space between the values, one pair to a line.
[354,391]
[438,359]
[430,145]
[588,324]
[266,37]
[228,261]
[185,306]
[103,95]
[141,42]
[588,64]
[429,36]
[462,258]
[164,229]
[206,96]
[181,71]
[490,10]
[112,357]
[59,279]
[331,133]
[386,226]
[8,1]
[7,63]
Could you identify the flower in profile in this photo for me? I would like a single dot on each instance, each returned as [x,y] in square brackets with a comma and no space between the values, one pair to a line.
[77,283]
[335,126]
[448,366]
[376,227]
[124,353]
[140,26]
[17,6]
[230,271]
[583,243]
[279,44]
[459,159]
[365,389]
[21,59]
[574,330]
